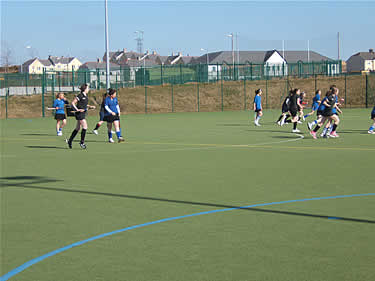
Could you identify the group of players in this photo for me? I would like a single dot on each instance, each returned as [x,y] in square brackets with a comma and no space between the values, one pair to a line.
[109,112]
[327,110]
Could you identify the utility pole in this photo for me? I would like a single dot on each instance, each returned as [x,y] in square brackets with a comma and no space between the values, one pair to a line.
[139,40]
[338,45]
[108,84]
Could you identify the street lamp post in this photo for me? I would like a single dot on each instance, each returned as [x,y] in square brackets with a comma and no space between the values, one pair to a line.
[108,85]
[231,35]
[207,61]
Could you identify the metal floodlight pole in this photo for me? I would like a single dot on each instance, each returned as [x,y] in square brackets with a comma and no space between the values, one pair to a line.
[108,84]
[231,35]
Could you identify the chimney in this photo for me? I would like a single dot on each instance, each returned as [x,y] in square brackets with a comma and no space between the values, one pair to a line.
[371,51]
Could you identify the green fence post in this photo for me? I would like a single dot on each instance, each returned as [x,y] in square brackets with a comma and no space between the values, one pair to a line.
[222,95]
[345,90]
[26,80]
[172,97]
[59,78]
[244,93]
[180,73]
[161,74]
[6,103]
[366,91]
[198,95]
[43,90]
[315,82]
[73,79]
[267,91]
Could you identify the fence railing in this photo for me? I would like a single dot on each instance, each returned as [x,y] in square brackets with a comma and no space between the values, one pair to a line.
[357,90]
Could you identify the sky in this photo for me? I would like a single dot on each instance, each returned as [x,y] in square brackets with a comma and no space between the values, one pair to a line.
[76,28]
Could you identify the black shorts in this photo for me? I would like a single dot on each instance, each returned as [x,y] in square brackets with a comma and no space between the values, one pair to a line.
[327,113]
[111,118]
[293,112]
[372,115]
[101,116]
[59,116]
[319,112]
[80,115]
[284,109]
[257,110]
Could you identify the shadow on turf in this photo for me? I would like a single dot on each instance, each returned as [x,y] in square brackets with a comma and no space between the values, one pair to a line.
[38,135]
[44,147]
[28,181]
[22,181]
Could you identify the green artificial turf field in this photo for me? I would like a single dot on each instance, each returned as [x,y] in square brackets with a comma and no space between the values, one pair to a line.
[196,169]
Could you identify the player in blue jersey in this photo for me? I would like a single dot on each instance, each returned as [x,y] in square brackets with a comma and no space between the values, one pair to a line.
[59,105]
[112,115]
[371,129]
[101,115]
[257,104]
[330,103]
[315,103]
[319,112]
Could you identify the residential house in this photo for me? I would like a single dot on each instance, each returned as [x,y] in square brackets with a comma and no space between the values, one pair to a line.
[362,61]
[36,65]
[270,63]
[94,73]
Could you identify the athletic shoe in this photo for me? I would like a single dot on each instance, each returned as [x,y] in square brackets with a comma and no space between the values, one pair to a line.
[310,125]
[121,139]
[95,132]
[333,135]
[256,123]
[371,132]
[59,133]
[69,143]
[322,134]
[111,140]
[313,134]
[299,122]
[296,131]
[278,123]
[303,118]
[83,145]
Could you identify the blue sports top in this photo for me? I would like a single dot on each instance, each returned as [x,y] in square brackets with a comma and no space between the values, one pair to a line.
[316,99]
[112,105]
[258,102]
[60,106]
[334,110]
[322,106]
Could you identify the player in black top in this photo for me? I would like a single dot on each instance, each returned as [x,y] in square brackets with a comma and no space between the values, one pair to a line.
[284,111]
[80,105]
[101,115]
[294,104]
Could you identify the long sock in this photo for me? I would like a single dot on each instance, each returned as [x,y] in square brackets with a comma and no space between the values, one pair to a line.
[294,125]
[325,130]
[315,122]
[258,117]
[334,127]
[73,135]
[97,126]
[118,133]
[60,130]
[305,116]
[371,128]
[316,128]
[281,116]
[288,121]
[83,134]
[109,134]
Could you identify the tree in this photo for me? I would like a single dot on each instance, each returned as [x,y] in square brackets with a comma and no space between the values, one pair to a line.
[6,55]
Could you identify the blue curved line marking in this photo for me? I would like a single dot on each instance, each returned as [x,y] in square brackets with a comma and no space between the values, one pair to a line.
[63,249]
